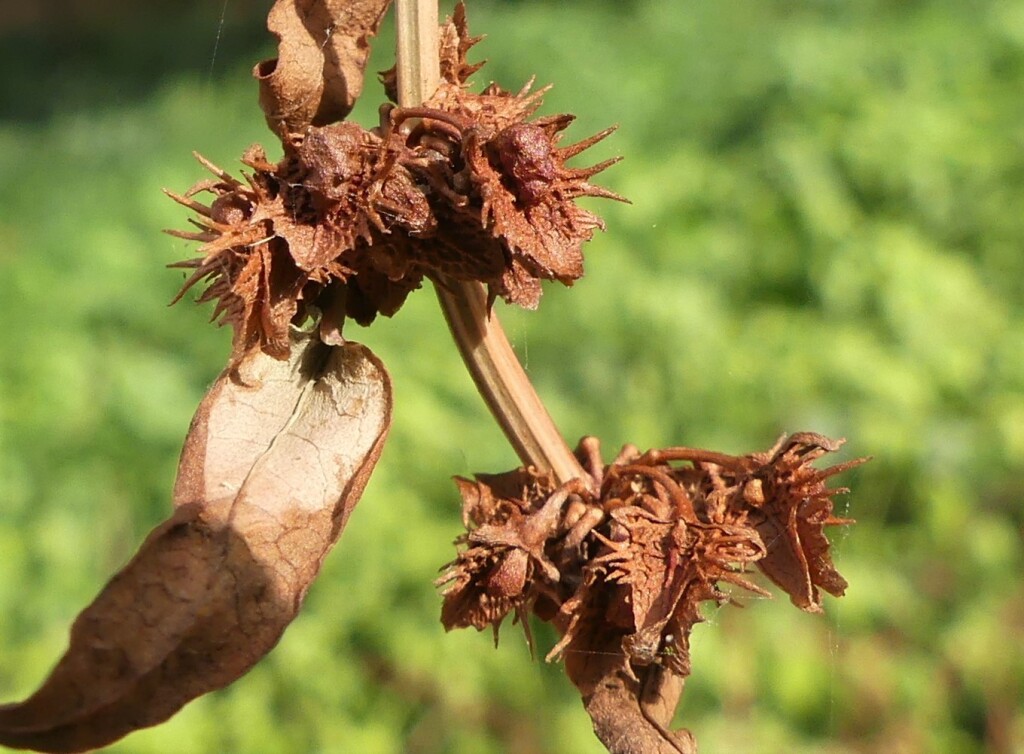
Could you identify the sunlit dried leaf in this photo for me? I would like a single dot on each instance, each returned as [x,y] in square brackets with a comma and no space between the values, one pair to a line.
[276,458]
[322,52]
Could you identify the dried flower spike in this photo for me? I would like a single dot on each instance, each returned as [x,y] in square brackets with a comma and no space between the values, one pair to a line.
[351,220]
[500,182]
[621,562]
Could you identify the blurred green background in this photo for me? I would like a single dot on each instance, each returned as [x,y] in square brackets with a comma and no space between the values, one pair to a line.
[826,234]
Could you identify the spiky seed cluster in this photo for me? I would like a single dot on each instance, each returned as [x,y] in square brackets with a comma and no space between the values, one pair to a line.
[351,220]
[635,549]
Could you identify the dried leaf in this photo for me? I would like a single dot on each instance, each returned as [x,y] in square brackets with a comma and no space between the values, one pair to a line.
[322,52]
[275,460]
[791,509]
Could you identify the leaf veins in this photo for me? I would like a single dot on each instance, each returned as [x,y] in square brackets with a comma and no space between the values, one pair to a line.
[271,469]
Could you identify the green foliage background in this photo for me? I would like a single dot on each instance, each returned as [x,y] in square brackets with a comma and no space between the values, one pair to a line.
[826,234]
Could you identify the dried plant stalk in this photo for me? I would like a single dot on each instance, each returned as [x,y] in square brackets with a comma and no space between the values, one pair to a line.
[418,59]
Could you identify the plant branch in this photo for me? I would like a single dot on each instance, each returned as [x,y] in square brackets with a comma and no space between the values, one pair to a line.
[502,382]
[477,331]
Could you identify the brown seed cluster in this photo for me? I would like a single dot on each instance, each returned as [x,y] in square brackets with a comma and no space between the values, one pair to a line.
[351,220]
[635,549]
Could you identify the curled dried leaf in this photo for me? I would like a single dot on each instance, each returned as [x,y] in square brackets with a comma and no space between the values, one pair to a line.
[317,75]
[272,467]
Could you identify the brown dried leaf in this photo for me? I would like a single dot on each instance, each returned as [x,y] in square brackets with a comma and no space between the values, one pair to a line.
[322,52]
[790,512]
[272,467]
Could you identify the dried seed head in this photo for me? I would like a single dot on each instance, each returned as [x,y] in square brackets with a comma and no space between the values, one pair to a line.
[791,514]
[351,220]
[508,194]
[245,261]
[527,157]
[499,184]
[334,159]
[631,555]
[320,231]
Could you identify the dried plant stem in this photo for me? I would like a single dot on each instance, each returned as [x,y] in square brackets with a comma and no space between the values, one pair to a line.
[501,380]
[477,331]
[418,63]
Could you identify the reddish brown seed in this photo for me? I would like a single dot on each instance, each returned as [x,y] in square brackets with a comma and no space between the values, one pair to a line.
[527,155]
